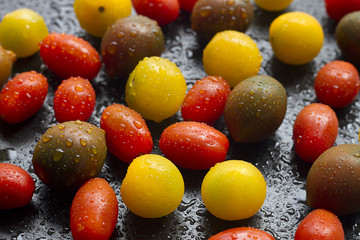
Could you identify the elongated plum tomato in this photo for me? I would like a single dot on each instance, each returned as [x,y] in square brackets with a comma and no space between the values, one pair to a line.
[205,102]
[94,211]
[16,186]
[315,130]
[320,224]
[127,135]
[193,145]
[242,233]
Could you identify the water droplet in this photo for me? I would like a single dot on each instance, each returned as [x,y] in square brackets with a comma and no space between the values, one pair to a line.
[89,131]
[112,48]
[68,142]
[47,138]
[122,127]
[94,150]
[16,94]
[79,88]
[137,124]
[83,142]
[77,159]
[205,11]
[58,154]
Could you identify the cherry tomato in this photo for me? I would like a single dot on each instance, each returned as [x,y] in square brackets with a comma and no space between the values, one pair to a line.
[315,130]
[162,11]
[23,96]
[127,135]
[70,56]
[320,224]
[205,102]
[74,100]
[337,84]
[187,5]
[242,233]
[94,211]
[336,9]
[193,145]
[233,190]
[16,186]
[153,186]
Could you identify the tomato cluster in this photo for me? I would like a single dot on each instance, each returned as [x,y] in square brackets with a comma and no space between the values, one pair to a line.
[71,154]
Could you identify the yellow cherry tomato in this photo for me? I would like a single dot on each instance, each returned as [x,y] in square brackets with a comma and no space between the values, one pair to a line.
[296,37]
[21,31]
[233,190]
[233,56]
[153,186]
[96,15]
[273,5]
[155,89]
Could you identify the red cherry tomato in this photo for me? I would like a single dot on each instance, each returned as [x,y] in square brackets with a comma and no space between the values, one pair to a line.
[193,145]
[337,84]
[70,56]
[94,211]
[336,9]
[320,224]
[315,130]
[23,96]
[74,100]
[127,135]
[162,11]
[242,233]
[205,102]
[16,186]
[187,5]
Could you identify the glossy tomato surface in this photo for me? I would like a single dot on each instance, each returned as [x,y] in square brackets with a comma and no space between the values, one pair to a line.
[242,233]
[47,216]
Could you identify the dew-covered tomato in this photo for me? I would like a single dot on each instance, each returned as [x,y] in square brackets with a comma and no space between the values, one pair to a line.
[162,11]
[336,9]
[337,84]
[74,100]
[193,145]
[242,233]
[320,224]
[127,135]
[187,5]
[70,56]
[23,96]
[94,211]
[16,186]
[315,130]
[205,102]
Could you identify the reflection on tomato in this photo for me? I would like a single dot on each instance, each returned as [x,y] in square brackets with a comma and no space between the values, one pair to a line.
[242,233]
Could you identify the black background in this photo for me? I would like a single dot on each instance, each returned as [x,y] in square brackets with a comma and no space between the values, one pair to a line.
[47,216]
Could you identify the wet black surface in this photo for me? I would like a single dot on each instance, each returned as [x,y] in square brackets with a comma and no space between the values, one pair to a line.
[47,216]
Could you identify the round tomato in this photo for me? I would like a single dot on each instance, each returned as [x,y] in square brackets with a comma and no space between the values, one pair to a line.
[242,233]
[337,84]
[233,190]
[336,9]
[162,11]
[315,130]
[320,224]
[153,186]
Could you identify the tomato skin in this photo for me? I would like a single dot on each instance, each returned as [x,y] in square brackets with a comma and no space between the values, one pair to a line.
[242,233]
[162,11]
[23,96]
[320,224]
[187,5]
[337,84]
[193,145]
[205,102]
[16,186]
[74,100]
[127,135]
[315,130]
[69,56]
[94,211]
[336,9]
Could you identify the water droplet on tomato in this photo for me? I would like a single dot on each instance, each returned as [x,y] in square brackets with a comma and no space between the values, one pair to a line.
[83,142]
[137,124]
[79,88]
[58,154]
[47,138]
[68,142]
